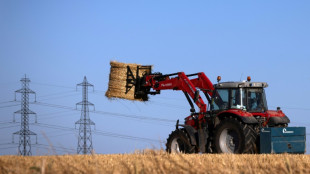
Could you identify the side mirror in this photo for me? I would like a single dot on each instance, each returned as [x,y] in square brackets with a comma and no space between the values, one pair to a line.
[196,98]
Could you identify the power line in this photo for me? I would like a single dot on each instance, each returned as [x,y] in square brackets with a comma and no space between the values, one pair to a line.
[60,135]
[8,122]
[5,148]
[56,113]
[287,107]
[8,127]
[55,147]
[99,132]
[54,126]
[168,105]
[53,94]
[6,102]
[109,113]
[51,133]
[133,116]
[110,134]
[56,106]
[10,106]
[3,144]
[52,147]
[61,86]
[46,116]
[46,84]
[54,150]
[57,97]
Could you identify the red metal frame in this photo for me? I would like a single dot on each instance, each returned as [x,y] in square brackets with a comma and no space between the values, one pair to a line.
[204,83]
[183,83]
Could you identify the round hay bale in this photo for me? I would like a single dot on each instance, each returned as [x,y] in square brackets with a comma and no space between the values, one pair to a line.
[117,80]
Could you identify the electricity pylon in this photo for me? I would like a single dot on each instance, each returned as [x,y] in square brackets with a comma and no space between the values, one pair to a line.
[24,147]
[85,144]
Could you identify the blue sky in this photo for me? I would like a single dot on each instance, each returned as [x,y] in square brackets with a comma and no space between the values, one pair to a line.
[57,43]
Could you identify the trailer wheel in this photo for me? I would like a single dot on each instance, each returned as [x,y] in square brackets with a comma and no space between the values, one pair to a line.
[179,142]
[232,136]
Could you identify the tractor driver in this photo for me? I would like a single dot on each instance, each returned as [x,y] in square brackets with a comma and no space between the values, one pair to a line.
[255,102]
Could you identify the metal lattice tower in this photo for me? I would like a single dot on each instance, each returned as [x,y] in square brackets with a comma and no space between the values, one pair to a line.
[24,132]
[85,145]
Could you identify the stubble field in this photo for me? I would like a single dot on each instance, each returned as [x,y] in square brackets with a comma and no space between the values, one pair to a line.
[156,162]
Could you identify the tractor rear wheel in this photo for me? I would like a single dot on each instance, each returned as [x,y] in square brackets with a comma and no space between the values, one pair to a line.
[179,142]
[232,136]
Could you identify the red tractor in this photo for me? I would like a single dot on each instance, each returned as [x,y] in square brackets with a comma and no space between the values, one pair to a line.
[232,121]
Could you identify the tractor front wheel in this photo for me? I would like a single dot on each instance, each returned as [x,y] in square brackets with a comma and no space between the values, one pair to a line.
[179,142]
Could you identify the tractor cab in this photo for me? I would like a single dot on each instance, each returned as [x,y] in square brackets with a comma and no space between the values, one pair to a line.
[247,96]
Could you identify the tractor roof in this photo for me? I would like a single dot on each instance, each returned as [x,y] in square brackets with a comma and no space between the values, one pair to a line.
[241,84]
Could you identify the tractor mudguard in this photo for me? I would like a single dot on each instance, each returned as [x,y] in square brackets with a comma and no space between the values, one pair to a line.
[245,117]
[248,120]
[278,120]
[191,133]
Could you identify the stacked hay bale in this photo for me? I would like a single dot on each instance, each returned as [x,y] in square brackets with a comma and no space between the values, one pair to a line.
[117,81]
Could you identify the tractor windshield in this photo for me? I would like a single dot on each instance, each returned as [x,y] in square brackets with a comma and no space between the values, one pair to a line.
[256,100]
[250,99]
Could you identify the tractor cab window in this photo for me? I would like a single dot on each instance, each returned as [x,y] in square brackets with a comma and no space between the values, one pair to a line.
[256,100]
[220,100]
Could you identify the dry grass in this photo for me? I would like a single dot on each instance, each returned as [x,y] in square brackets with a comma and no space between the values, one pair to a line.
[117,81]
[157,162]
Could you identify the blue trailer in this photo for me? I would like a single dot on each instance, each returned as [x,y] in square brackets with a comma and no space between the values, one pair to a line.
[283,140]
